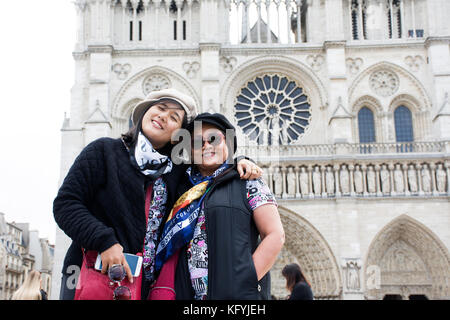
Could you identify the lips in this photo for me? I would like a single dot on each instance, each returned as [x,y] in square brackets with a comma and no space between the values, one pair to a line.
[209,154]
[157,125]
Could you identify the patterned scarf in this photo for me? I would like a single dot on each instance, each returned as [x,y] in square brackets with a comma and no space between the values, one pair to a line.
[149,161]
[180,225]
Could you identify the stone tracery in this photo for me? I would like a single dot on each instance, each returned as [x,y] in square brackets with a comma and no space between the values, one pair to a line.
[304,245]
[411,260]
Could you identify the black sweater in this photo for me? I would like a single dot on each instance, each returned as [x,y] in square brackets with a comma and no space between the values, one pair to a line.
[102,200]
[301,291]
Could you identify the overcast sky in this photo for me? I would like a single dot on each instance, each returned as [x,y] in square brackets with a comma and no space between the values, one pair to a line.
[37,73]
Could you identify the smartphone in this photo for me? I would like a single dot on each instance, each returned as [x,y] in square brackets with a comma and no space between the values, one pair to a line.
[134,262]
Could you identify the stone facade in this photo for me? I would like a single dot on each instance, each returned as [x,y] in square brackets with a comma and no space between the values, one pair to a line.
[355,206]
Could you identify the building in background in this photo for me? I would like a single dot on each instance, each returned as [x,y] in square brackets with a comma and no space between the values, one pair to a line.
[21,250]
[344,103]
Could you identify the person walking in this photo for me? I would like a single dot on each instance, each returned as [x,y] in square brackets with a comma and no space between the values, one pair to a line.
[296,283]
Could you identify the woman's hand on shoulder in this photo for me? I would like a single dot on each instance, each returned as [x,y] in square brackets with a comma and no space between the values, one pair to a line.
[248,170]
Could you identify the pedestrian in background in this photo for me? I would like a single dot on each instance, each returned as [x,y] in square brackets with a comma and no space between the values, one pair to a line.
[31,288]
[296,283]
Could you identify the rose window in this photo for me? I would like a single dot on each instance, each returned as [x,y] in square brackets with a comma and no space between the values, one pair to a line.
[272,110]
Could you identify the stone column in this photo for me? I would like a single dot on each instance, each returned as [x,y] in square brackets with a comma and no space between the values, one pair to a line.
[284,193]
[324,185]
[377,177]
[297,182]
[337,185]
[405,178]
[351,168]
[363,169]
[311,193]
[419,178]
[447,168]
[434,190]
[391,175]
[179,4]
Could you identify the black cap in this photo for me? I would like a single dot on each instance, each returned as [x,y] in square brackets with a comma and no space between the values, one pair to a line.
[217,120]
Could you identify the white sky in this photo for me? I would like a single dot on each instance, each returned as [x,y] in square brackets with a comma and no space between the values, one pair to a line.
[37,72]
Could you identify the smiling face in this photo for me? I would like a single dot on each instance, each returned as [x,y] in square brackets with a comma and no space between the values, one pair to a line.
[209,149]
[161,121]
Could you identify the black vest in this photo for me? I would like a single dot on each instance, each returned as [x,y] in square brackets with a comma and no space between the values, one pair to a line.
[232,237]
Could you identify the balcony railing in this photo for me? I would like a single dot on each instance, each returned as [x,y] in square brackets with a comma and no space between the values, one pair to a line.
[355,170]
[298,152]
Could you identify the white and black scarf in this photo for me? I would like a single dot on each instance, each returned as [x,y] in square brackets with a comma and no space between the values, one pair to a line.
[149,161]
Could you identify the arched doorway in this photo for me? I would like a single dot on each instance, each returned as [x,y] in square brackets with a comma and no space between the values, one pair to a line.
[306,246]
[412,261]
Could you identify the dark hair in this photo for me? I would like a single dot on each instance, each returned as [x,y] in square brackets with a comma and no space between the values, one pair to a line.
[293,275]
[131,136]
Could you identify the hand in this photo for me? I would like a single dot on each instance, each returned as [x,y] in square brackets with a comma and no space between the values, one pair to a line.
[114,255]
[248,170]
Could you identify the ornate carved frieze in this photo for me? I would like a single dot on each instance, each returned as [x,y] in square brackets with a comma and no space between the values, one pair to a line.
[122,70]
[191,69]
[228,63]
[309,179]
[384,82]
[315,61]
[155,82]
[354,65]
[414,63]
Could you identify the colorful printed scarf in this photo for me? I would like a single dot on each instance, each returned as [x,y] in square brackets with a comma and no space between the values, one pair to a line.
[180,225]
[149,161]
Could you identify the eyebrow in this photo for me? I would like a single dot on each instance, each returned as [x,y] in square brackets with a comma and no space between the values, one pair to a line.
[176,108]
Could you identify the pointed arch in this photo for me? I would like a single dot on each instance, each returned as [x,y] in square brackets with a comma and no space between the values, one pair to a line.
[421,263]
[132,92]
[132,88]
[306,246]
[416,90]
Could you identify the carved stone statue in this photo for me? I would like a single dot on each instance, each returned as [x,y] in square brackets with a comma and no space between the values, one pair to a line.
[441,179]
[344,180]
[304,188]
[357,175]
[278,182]
[426,179]
[371,180]
[353,282]
[264,136]
[275,131]
[329,178]
[385,180]
[398,179]
[291,182]
[412,179]
[317,183]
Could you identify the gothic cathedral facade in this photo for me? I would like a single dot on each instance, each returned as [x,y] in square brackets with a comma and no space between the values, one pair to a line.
[344,104]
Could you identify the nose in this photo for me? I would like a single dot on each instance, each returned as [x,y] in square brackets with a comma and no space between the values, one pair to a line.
[163,115]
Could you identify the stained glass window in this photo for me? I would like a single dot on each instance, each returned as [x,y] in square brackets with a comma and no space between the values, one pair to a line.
[366,125]
[272,110]
[403,124]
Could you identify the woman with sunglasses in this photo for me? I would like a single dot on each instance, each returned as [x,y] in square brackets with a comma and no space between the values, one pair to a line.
[214,226]
[101,202]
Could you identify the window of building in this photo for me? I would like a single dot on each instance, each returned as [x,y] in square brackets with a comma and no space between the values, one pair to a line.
[403,124]
[131,30]
[272,110]
[175,30]
[366,125]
